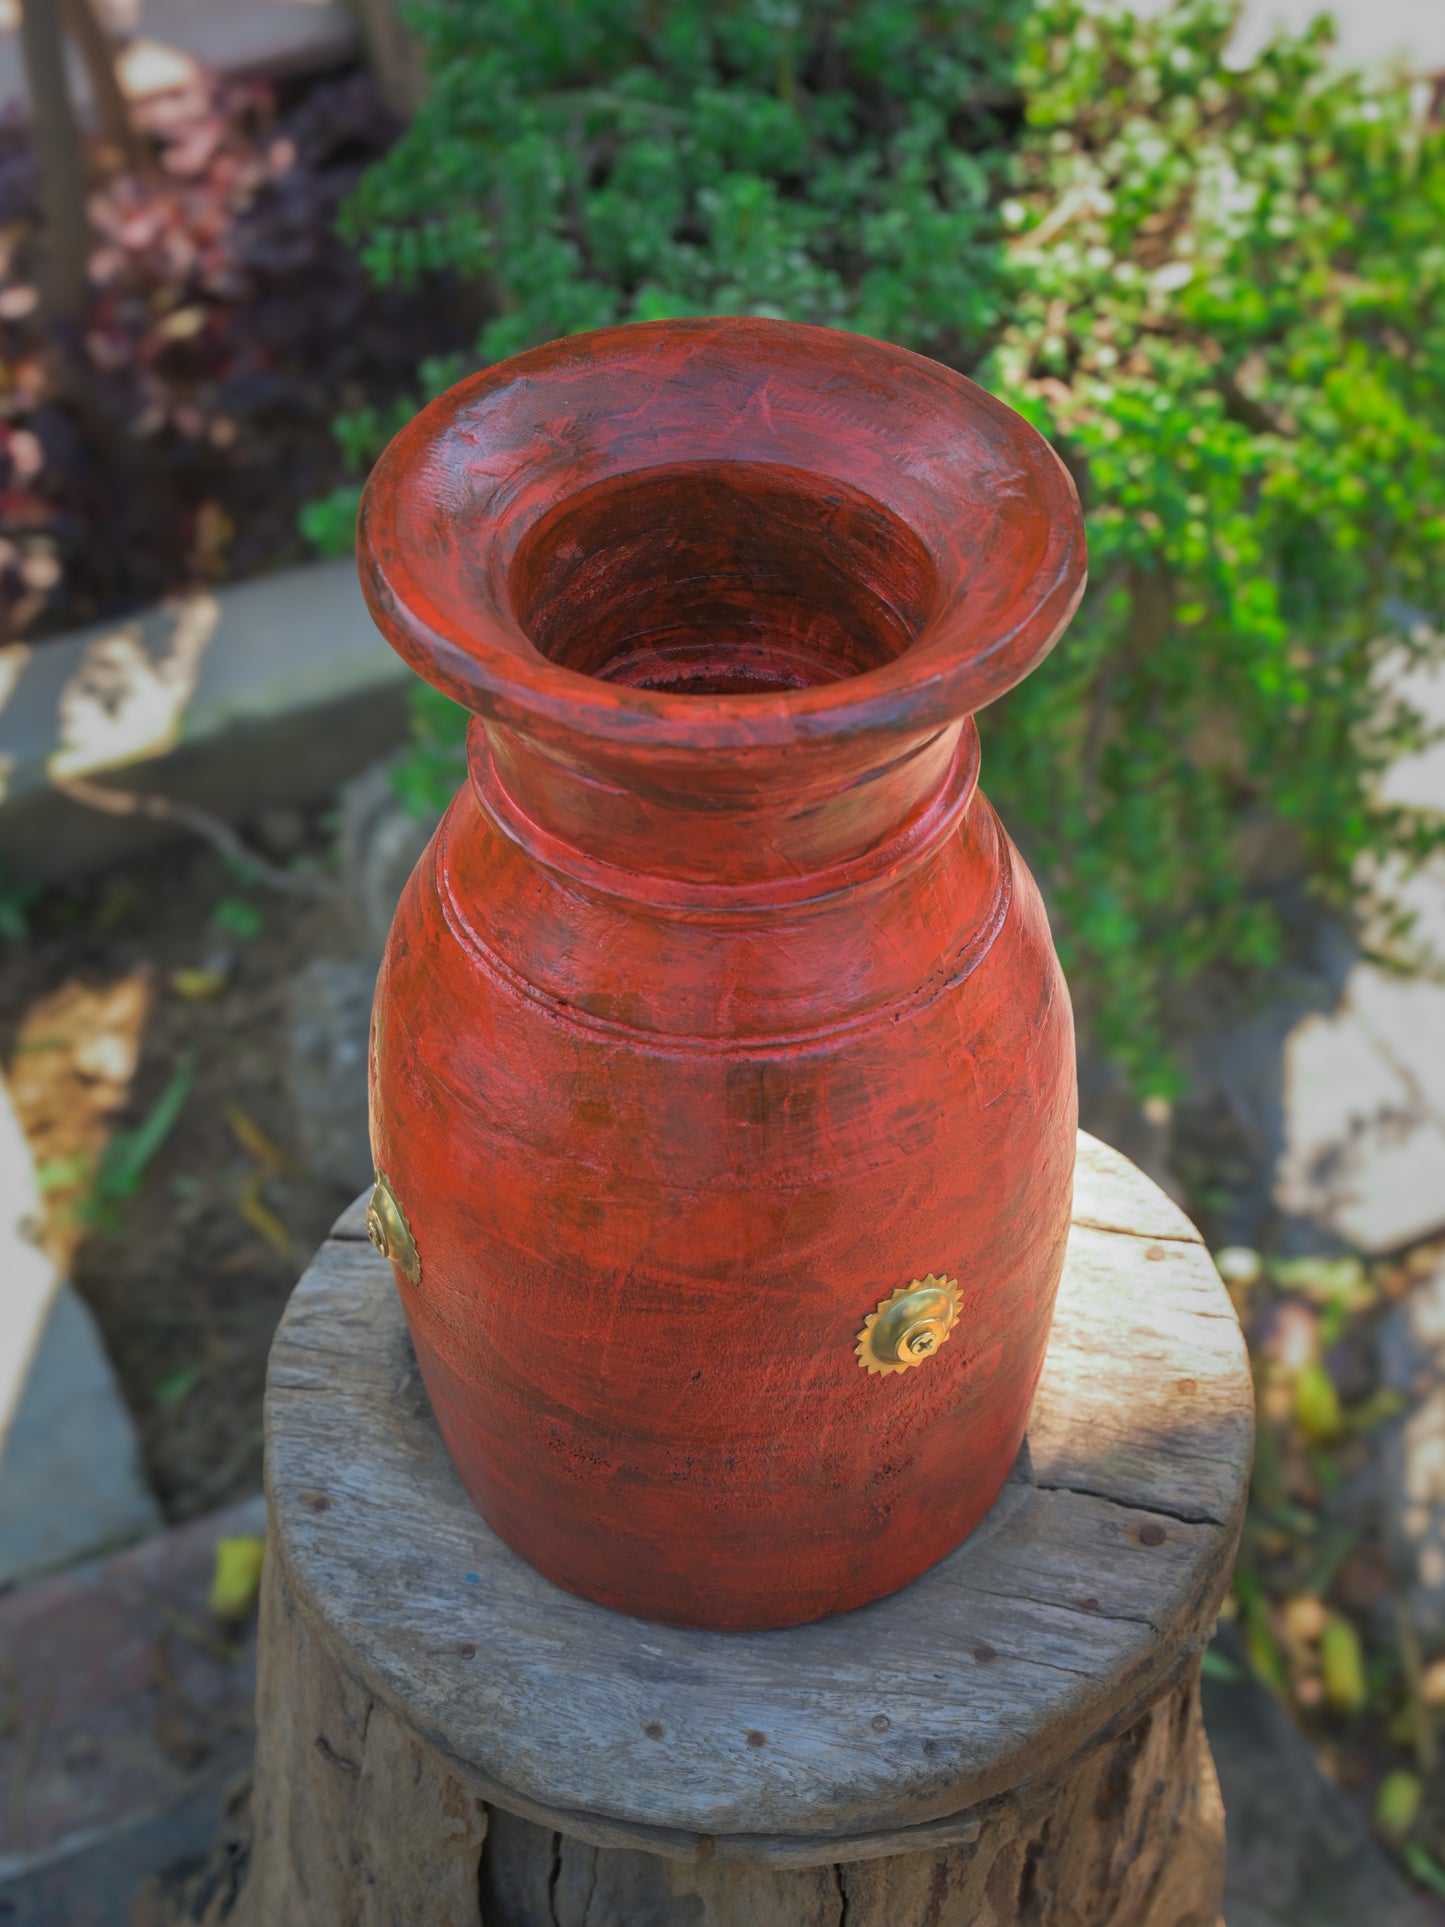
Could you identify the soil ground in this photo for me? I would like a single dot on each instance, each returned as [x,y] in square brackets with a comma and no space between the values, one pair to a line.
[167,980]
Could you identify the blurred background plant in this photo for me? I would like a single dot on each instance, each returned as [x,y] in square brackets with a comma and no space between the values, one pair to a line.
[1225,306]
[170,437]
[1322,1616]
[1218,292]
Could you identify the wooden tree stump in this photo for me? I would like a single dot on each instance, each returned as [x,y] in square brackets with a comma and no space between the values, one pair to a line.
[447,1739]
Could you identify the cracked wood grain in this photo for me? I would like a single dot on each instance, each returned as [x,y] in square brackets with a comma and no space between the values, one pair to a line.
[1130,1836]
[1013,1737]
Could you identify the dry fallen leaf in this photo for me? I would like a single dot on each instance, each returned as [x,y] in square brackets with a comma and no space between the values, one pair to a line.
[1432,1683]
[197,986]
[182,324]
[236,1577]
[1305,1619]
[1397,1803]
[1342,1662]
[254,1141]
[261,1218]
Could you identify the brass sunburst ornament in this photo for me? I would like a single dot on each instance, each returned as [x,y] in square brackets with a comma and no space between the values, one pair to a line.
[909,1325]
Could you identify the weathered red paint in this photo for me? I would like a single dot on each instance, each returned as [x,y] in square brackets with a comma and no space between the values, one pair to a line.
[721,1005]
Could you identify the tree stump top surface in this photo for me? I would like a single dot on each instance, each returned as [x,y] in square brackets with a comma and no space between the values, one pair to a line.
[1094,1578]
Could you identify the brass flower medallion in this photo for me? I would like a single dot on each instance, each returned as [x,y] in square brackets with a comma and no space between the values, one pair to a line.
[909,1325]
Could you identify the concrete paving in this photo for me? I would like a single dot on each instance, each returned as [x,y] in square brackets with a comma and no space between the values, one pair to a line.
[267,692]
[1407,35]
[128,1717]
[164,41]
[28,1282]
[1370,33]
[1362,1149]
[71,1483]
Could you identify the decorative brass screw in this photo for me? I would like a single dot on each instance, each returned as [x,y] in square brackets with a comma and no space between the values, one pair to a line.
[388,1230]
[909,1325]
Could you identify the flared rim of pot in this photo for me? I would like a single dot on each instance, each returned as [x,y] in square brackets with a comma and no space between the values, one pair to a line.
[724,533]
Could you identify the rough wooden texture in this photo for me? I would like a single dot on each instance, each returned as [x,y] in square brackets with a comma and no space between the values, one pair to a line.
[356,1822]
[1014,1737]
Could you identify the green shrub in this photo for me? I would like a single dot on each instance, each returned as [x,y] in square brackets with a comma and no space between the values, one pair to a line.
[1227,306]
[1219,293]
[604,160]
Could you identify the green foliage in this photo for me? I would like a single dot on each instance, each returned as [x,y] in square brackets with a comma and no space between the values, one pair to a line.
[238,918]
[176,1386]
[103,1185]
[124,1160]
[1219,293]
[15,901]
[330,523]
[604,160]
[428,777]
[1426,1870]
[1228,310]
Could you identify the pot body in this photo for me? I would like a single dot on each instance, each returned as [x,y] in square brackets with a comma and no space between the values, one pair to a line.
[662,1162]
[720,1011]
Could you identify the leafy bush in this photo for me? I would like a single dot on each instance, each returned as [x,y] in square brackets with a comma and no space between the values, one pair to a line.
[1227,306]
[594,161]
[1220,294]
[605,160]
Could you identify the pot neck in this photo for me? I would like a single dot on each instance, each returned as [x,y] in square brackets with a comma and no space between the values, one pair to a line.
[787,823]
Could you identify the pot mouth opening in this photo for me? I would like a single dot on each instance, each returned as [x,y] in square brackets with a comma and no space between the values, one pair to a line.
[721,578]
[722,534]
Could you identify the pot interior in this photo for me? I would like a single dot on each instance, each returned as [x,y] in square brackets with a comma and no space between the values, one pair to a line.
[721,579]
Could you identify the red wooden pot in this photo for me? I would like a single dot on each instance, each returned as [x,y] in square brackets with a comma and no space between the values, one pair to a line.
[722,1070]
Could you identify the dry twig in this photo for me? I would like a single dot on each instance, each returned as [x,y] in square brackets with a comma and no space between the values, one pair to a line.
[201,823]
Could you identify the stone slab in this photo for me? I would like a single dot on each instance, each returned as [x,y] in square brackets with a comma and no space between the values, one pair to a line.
[1336,1087]
[97,1882]
[1363,1094]
[128,1712]
[268,691]
[1370,33]
[1364,1113]
[165,40]
[328,1018]
[380,842]
[71,1483]
[30,1282]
